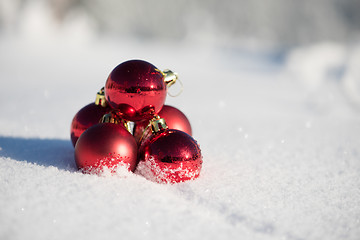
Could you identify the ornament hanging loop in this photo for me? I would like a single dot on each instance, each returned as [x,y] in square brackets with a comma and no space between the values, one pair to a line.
[170,79]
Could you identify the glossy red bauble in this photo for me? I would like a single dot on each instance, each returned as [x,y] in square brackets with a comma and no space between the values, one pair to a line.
[85,118]
[170,156]
[136,89]
[106,145]
[174,118]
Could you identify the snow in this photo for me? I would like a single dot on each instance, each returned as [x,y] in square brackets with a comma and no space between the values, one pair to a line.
[279,133]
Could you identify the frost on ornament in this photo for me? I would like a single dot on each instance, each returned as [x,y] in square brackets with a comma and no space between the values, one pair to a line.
[112,165]
[170,156]
[105,145]
[162,172]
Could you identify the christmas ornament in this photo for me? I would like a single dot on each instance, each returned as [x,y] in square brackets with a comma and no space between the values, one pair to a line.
[169,155]
[88,116]
[136,89]
[174,119]
[134,95]
[108,144]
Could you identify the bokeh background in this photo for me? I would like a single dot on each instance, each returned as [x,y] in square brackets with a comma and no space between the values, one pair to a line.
[227,23]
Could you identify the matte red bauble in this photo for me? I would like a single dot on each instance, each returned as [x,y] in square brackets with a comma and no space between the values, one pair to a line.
[85,118]
[106,145]
[174,118]
[136,89]
[170,156]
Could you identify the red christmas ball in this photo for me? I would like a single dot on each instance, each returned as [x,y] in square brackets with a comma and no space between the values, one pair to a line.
[174,118]
[136,89]
[85,118]
[170,156]
[106,145]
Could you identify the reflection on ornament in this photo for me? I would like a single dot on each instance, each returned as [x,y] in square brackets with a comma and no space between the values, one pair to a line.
[137,89]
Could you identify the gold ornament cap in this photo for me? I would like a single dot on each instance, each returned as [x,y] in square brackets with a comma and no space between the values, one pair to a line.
[111,118]
[170,77]
[158,124]
[100,98]
[155,125]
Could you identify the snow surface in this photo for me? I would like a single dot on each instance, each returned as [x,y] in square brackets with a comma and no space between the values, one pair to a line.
[279,133]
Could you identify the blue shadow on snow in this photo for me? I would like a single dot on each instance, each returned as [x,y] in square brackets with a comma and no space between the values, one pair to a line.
[45,152]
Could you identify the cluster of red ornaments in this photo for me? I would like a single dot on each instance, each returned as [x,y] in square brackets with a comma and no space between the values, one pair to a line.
[129,126]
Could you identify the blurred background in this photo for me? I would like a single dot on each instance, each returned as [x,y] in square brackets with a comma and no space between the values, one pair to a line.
[228,23]
[56,47]
[277,22]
